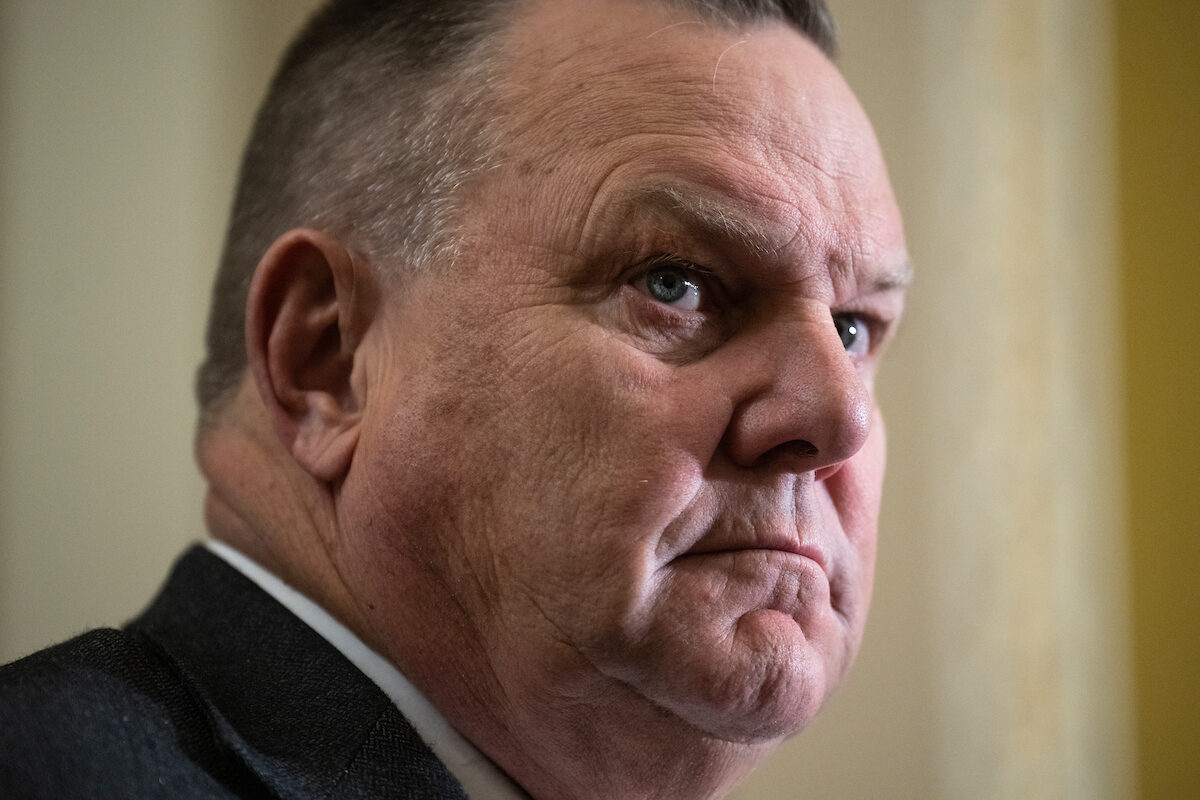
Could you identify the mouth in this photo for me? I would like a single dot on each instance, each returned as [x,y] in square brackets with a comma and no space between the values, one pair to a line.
[768,543]
[764,575]
[786,548]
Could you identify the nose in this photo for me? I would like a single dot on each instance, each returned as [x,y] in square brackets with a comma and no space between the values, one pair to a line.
[800,403]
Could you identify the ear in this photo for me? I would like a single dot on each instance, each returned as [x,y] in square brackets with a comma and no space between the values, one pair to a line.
[308,306]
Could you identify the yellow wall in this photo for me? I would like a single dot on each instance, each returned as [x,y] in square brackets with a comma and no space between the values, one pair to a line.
[1159,62]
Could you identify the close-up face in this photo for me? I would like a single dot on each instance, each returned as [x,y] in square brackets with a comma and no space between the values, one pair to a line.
[633,431]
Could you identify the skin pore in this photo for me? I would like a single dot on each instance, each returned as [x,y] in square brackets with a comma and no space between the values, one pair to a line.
[607,490]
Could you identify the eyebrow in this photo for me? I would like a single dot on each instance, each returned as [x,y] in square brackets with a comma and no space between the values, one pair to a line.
[893,278]
[700,210]
[714,215]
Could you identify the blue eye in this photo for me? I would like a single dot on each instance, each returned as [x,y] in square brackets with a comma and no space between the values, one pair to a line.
[854,333]
[672,286]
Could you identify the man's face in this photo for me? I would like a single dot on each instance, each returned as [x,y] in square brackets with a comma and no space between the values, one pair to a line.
[632,434]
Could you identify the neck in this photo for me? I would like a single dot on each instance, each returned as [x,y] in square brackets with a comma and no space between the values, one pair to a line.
[260,502]
[613,744]
[629,750]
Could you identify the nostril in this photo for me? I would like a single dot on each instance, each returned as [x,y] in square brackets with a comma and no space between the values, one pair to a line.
[801,447]
[792,450]
[797,455]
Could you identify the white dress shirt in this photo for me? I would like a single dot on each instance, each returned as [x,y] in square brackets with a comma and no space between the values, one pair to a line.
[481,779]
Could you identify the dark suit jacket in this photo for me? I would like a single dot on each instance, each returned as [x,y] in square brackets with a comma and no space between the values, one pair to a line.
[216,691]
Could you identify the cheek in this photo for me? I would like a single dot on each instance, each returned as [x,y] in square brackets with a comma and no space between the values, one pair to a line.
[609,448]
[857,488]
[855,493]
[586,412]
[553,457]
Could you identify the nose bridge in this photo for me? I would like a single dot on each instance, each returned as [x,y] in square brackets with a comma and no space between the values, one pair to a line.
[801,397]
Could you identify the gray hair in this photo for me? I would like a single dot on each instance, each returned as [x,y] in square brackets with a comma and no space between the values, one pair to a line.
[375,118]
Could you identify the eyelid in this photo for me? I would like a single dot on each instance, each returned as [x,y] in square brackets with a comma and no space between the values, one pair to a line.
[675,334]
[869,330]
[710,285]
[880,331]
[670,260]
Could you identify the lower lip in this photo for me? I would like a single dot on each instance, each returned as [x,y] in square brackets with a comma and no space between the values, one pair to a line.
[765,564]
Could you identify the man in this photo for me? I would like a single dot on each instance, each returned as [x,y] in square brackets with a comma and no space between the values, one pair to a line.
[538,421]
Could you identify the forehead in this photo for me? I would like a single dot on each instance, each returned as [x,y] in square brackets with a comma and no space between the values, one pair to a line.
[613,101]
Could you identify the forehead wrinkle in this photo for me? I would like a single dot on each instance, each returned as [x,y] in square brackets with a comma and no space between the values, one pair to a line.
[765,170]
[718,216]
[566,74]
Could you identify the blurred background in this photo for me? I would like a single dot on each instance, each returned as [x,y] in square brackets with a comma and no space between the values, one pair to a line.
[1036,628]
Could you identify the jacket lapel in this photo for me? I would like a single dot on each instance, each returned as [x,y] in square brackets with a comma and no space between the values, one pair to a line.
[280,698]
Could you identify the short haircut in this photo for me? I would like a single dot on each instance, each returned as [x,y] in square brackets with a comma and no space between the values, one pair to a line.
[374,119]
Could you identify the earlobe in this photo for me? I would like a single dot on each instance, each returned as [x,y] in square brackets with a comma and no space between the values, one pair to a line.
[306,311]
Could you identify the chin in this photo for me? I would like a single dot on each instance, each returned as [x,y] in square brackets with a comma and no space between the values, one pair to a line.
[762,714]
[766,685]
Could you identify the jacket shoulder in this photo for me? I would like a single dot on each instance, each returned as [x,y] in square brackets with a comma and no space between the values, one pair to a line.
[104,714]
